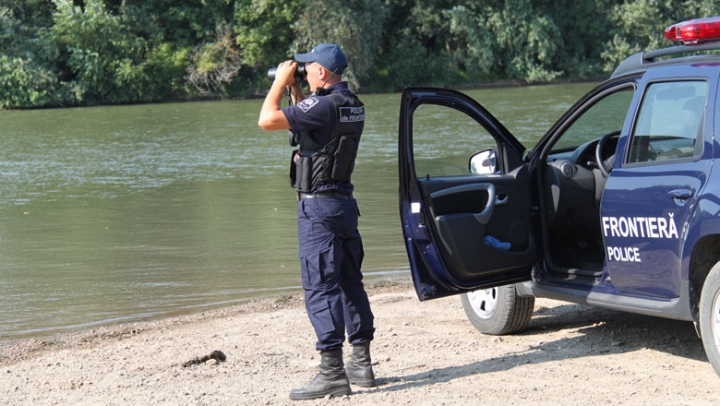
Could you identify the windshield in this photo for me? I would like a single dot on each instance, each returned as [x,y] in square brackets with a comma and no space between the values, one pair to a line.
[605,115]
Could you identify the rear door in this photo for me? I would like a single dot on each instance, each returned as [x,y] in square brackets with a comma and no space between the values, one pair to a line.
[653,192]
[463,230]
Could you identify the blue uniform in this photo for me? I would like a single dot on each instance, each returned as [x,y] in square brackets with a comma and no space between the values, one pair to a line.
[330,246]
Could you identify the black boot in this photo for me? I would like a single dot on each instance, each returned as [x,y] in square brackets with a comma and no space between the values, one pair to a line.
[331,381]
[359,369]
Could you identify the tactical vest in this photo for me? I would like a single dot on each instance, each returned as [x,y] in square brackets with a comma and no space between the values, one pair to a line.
[313,164]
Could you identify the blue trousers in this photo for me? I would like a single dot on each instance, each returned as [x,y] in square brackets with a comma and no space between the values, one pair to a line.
[331,254]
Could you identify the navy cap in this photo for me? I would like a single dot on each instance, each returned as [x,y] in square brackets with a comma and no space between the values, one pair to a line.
[330,56]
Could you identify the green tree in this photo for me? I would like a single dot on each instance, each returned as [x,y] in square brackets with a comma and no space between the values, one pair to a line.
[103,60]
[23,84]
[640,25]
[27,77]
[183,23]
[82,52]
[355,25]
[413,46]
[114,58]
[526,38]
[264,30]
[216,64]
[582,28]
[472,44]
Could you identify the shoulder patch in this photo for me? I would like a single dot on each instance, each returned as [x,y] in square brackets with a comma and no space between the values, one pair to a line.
[307,104]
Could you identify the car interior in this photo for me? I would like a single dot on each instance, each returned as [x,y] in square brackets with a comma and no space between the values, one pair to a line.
[578,164]
[572,189]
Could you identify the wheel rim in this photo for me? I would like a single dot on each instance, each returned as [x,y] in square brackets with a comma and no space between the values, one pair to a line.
[484,302]
[715,323]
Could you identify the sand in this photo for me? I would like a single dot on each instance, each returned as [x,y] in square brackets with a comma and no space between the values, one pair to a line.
[424,353]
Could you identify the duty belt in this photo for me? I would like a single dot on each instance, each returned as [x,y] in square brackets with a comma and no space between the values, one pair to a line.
[330,194]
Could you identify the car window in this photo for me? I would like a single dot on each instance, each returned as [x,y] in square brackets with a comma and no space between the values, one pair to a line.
[670,122]
[605,115]
[444,139]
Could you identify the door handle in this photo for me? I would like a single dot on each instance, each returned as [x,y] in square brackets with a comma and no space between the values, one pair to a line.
[682,194]
[501,199]
[484,216]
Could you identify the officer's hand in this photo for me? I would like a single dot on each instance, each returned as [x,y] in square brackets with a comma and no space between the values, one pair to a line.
[286,73]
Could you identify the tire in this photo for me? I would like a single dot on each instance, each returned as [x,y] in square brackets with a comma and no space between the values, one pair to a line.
[710,317]
[498,311]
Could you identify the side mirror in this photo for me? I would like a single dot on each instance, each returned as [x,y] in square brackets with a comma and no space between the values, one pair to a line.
[484,162]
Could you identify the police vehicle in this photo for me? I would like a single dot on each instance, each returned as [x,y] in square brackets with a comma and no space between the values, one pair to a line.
[618,204]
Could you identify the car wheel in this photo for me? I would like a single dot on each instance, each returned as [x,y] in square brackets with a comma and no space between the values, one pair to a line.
[710,317]
[499,310]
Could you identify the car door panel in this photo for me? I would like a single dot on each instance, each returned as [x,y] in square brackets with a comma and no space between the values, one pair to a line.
[464,215]
[446,219]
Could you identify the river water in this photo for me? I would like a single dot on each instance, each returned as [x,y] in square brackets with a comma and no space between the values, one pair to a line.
[125,213]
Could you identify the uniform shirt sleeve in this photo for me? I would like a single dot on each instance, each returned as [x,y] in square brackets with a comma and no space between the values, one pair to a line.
[312,114]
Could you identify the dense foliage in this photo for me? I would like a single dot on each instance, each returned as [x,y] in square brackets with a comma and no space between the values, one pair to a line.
[88,52]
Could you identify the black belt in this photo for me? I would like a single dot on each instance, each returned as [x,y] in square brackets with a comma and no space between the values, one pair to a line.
[330,194]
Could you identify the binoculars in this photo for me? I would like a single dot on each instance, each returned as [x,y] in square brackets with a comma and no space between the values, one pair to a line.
[300,73]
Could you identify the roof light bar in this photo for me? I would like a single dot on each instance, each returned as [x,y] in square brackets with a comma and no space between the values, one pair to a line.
[694,31]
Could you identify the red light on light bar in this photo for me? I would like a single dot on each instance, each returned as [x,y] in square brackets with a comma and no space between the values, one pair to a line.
[694,31]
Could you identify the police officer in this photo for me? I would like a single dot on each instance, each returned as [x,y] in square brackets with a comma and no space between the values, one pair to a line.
[326,129]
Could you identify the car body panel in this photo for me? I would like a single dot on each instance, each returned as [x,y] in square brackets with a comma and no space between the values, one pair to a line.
[655,202]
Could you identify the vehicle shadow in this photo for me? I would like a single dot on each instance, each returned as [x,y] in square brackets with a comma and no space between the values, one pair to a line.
[617,332]
[595,331]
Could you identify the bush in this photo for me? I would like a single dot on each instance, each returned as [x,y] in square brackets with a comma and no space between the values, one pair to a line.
[22,85]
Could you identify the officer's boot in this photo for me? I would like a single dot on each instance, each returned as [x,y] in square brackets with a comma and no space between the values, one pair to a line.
[331,381]
[359,368]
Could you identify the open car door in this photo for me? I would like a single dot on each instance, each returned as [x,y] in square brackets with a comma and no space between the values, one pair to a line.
[464,230]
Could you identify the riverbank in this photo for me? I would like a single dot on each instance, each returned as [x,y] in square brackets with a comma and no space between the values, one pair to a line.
[424,354]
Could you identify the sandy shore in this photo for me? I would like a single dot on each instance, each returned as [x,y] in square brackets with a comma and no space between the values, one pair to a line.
[424,354]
